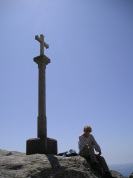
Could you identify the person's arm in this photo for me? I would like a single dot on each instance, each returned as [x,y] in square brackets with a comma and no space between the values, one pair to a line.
[95,145]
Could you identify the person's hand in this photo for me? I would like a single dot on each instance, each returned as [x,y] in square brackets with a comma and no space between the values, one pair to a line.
[86,146]
[97,150]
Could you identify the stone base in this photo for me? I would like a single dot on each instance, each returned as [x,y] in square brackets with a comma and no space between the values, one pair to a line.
[51,146]
[35,145]
[38,145]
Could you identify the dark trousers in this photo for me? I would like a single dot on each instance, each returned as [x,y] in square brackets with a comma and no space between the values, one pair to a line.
[89,153]
[102,163]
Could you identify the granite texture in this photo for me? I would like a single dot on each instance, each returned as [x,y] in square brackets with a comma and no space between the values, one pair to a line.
[20,165]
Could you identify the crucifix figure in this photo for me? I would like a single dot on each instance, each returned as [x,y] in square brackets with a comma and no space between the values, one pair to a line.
[42,43]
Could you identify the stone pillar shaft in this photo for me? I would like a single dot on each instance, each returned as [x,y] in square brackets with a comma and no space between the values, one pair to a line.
[42,144]
[42,61]
[42,125]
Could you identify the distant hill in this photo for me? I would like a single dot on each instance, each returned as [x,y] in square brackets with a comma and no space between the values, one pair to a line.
[124,169]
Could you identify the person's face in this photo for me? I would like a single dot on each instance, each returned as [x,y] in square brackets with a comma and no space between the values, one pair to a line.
[87,131]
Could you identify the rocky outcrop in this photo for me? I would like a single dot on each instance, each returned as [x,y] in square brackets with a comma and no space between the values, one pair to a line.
[131,176]
[19,165]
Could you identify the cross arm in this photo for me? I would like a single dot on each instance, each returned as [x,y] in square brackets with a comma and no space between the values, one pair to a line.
[38,39]
[42,41]
[46,45]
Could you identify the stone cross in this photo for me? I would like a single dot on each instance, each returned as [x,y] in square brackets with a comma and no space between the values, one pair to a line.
[42,43]
[42,144]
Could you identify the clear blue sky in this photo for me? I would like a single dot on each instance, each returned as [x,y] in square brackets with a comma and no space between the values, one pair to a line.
[88,82]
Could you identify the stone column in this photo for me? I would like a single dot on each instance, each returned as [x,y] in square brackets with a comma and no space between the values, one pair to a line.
[39,145]
[42,61]
[42,144]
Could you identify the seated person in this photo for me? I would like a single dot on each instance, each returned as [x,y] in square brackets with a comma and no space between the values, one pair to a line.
[87,144]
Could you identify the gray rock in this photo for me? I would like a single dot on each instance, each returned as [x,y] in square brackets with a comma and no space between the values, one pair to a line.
[131,176]
[19,165]
[116,174]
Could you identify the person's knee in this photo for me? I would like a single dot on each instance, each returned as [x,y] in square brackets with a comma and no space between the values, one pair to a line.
[102,158]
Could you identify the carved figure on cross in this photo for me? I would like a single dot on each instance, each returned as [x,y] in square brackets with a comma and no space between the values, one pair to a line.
[42,43]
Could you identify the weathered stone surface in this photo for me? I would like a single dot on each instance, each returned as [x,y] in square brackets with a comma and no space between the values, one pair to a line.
[116,174]
[131,176]
[20,165]
[42,144]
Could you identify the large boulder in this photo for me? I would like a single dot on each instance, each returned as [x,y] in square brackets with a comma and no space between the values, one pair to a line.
[131,176]
[19,165]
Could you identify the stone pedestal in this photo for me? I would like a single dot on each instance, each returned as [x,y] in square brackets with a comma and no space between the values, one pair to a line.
[51,146]
[42,144]
[35,145]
